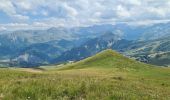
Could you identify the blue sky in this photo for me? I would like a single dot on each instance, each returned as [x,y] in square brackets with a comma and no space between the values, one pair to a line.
[29,14]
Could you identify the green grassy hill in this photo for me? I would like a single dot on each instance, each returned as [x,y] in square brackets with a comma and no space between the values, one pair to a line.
[105,76]
[107,59]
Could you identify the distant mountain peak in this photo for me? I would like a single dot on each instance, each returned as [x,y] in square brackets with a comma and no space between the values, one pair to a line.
[56,28]
[116,35]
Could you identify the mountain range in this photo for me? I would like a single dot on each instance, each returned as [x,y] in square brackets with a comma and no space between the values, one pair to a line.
[31,48]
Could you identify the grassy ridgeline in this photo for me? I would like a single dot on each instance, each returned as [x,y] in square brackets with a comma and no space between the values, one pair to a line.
[108,59]
[106,76]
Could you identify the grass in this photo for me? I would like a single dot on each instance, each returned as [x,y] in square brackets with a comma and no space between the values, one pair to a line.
[108,59]
[90,82]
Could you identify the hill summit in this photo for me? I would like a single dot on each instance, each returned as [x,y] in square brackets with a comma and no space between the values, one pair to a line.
[107,59]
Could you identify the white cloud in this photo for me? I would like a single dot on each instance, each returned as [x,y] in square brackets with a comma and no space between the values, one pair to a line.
[43,13]
[40,24]
[24,4]
[70,10]
[122,12]
[2,28]
[21,17]
[7,7]
[15,26]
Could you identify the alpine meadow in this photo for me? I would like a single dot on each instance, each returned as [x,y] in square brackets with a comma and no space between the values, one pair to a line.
[84,50]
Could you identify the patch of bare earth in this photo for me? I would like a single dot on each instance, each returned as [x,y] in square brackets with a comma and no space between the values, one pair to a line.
[30,70]
[1,96]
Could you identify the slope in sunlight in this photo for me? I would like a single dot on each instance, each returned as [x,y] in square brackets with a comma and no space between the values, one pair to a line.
[107,59]
[106,76]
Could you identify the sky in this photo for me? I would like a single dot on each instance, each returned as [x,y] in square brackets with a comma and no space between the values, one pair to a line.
[39,14]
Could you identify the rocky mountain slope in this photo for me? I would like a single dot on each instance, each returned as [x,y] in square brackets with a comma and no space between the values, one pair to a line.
[56,45]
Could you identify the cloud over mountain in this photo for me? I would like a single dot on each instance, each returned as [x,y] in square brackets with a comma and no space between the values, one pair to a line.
[81,12]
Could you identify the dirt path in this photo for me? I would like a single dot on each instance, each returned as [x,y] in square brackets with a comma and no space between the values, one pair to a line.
[29,70]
